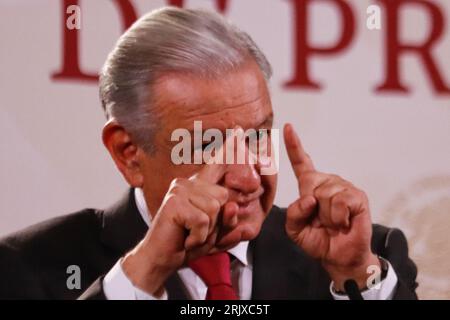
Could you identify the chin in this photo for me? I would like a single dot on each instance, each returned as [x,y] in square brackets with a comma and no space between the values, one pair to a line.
[250,231]
[251,219]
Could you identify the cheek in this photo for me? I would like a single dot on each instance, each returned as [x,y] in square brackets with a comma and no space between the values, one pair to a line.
[251,225]
[159,172]
[270,185]
[251,222]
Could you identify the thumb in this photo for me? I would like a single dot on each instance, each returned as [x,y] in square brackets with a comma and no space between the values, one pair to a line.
[300,213]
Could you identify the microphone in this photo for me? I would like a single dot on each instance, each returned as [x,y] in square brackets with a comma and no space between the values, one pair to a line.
[352,290]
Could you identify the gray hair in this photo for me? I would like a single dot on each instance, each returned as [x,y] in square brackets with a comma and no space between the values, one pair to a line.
[196,42]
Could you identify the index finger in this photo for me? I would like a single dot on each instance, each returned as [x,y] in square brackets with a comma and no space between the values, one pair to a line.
[300,160]
[212,172]
[215,166]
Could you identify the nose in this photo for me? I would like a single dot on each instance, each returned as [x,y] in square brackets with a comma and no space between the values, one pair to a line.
[242,178]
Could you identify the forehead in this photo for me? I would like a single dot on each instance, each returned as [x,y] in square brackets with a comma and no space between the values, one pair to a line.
[238,98]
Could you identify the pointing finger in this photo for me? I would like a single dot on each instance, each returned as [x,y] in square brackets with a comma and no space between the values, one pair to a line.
[300,160]
[215,167]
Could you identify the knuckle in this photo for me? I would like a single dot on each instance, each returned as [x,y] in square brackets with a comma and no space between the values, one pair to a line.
[335,177]
[362,195]
[178,186]
[194,177]
[339,200]
[223,194]
[195,240]
[176,190]
[354,193]
[202,221]
[171,201]
[214,206]
[320,194]
[291,209]
[178,182]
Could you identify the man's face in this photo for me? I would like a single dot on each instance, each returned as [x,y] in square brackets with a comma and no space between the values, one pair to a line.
[239,98]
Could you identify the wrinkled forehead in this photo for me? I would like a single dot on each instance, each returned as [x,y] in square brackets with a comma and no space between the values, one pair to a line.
[238,98]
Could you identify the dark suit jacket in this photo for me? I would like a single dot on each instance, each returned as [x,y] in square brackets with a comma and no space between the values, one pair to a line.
[34,261]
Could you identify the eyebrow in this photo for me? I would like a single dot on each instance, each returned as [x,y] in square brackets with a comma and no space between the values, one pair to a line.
[267,122]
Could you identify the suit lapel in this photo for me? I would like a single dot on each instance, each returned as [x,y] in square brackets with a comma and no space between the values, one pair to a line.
[176,289]
[123,226]
[280,269]
[274,274]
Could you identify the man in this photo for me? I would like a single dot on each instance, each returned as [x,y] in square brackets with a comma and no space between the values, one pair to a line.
[203,231]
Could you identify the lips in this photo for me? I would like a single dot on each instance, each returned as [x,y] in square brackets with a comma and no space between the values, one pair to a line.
[250,207]
[243,200]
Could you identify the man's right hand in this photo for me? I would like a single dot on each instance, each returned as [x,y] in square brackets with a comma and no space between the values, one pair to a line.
[186,226]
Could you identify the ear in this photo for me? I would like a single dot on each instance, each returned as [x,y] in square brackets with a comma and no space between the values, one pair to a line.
[124,153]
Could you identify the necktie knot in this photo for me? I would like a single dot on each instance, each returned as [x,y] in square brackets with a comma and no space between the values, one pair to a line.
[214,270]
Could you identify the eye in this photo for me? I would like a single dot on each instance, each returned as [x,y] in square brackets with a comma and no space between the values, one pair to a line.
[263,133]
[256,136]
[203,146]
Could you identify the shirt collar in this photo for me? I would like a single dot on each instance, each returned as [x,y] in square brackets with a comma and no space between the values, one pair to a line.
[239,251]
[142,206]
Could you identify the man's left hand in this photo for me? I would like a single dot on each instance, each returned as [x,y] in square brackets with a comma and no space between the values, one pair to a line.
[330,220]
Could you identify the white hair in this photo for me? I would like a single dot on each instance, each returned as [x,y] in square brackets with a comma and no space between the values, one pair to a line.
[170,39]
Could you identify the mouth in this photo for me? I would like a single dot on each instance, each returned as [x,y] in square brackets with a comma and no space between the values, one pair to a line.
[244,200]
[249,203]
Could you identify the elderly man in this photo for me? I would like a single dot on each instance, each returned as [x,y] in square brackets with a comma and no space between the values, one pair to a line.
[210,230]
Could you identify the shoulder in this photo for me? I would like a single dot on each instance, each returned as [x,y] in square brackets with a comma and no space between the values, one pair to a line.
[53,237]
[70,227]
[35,258]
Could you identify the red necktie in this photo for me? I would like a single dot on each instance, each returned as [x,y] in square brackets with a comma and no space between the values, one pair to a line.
[214,270]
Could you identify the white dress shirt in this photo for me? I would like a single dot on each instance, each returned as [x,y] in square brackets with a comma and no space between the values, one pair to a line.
[117,286]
